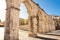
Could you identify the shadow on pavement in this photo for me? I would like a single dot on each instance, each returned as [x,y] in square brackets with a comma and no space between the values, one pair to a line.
[45,38]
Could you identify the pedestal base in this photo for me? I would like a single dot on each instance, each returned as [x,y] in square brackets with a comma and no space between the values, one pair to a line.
[32,34]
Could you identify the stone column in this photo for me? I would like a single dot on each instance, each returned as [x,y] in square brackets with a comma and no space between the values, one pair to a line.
[32,19]
[33,26]
[12,20]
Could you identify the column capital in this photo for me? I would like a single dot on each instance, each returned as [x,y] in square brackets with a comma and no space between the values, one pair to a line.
[12,7]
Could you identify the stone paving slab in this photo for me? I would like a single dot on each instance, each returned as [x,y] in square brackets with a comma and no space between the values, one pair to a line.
[49,36]
[57,33]
[23,35]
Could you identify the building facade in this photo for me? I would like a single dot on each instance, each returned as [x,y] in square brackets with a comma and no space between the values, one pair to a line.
[56,20]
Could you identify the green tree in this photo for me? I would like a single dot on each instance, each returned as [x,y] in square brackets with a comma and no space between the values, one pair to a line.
[25,21]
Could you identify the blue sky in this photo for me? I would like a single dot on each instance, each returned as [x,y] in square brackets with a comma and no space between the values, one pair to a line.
[50,6]
[23,11]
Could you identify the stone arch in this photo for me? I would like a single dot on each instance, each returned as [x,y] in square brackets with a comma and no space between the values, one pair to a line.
[12,19]
[32,12]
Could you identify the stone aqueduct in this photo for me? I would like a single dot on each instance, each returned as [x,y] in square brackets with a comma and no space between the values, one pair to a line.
[39,21]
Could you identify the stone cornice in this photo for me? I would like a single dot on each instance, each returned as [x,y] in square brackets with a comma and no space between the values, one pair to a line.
[13,7]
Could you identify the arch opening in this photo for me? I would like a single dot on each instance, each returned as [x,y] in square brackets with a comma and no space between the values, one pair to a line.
[23,15]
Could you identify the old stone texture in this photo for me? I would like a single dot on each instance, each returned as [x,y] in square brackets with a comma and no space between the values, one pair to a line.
[21,21]
[39,21]
[12,20]
[32,11]
[44,22]
[56,20]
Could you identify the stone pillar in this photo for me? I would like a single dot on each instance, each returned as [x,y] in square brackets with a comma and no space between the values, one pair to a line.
[32,18]
[33,26]
[12,20]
